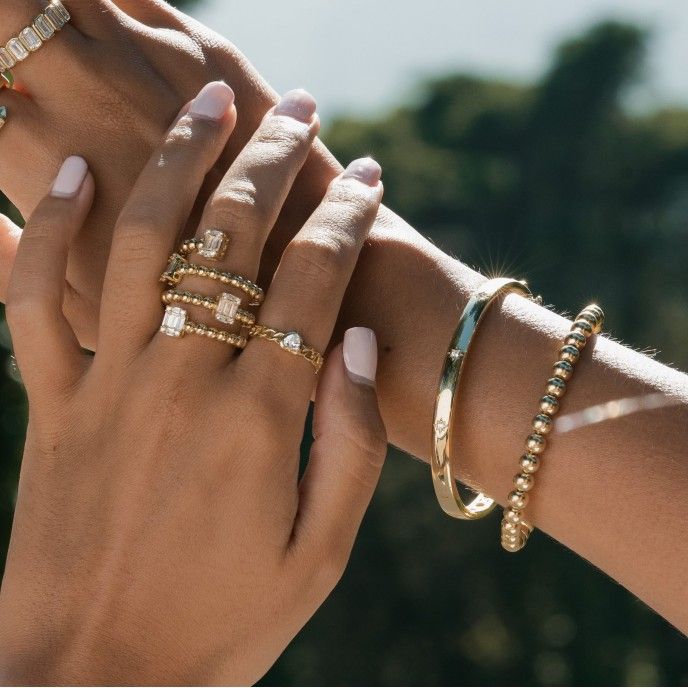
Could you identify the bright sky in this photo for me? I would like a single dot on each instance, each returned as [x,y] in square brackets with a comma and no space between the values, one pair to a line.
[363,55]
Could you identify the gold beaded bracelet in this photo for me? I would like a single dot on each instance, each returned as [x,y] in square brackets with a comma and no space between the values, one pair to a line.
[515,530]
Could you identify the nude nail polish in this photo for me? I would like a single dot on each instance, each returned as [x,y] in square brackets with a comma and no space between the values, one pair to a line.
[213,102]
[297,104]
[360,355]
[70,178]
[365,170]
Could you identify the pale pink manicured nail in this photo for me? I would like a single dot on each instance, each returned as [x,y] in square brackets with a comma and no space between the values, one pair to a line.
[297,104]
[360,355]
[69,179]
[366,170]
[213,102]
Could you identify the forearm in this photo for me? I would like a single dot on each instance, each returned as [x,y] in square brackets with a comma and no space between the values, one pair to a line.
[612,491]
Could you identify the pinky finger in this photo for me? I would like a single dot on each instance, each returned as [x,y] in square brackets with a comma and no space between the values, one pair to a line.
[46,347]
[346,459]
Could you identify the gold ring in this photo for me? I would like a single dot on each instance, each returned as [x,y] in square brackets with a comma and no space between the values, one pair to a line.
[212,246]
[291,342]
[175,323]
[225,306]
[31,39]
[178,267]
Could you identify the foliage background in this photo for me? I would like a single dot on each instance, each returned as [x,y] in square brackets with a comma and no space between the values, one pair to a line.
[560,183]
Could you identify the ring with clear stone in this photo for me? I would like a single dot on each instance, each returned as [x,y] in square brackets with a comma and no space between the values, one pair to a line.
[32,38]
[225,306]
[212,246]
[176,323]
[291,342]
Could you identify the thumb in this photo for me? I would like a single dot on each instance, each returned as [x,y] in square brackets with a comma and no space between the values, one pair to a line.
[347,455]
[9,241]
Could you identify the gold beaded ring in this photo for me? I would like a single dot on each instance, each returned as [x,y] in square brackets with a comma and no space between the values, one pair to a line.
[515,530]
[442,468]
[176,323]
[32,38]
[178,268]
[225,306]
[212,246]
[291,342]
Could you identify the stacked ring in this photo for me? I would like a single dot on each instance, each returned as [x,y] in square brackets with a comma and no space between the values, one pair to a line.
[31,38]
[178,268]
[212,246]
[291,342]
[176,323]
[225,307]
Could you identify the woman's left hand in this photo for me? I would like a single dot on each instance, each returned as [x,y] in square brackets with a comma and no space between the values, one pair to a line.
[162,534]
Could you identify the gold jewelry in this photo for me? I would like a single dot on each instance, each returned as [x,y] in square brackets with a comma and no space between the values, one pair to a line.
[291,342]
[175,323]
[212,246]
[225,306]
[3,116]
[441,465]
[31,38]
[515,530]
[6,79]
[179,267]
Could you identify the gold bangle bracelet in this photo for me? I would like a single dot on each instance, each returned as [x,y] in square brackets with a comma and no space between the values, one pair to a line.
[178,268]
[442,468]
[515,529]
[225,306]
[291,342]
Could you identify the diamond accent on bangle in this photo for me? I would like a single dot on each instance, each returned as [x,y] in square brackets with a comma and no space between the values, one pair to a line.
[55,17]
[455,355]
[214,244]
[227,308]
[174,321]
[17,49]
[43,27]
[30,39]
[292,342]
[441,427]
[6,60]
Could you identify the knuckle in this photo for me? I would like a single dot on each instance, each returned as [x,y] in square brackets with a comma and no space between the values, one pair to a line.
[351,201]
[188,139]
[278,138]
[319,259]
[234,204]
[25,309]
[140,231]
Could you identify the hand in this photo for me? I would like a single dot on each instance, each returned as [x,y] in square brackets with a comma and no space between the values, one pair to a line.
[161,531]
[106,87]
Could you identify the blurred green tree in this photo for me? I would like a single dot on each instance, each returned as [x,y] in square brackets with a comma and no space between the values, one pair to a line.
[560,183]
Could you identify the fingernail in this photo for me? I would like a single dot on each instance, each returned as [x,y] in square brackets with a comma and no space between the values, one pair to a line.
[366,170]
[213,102]
[297,104]
[360,355]
[70,178]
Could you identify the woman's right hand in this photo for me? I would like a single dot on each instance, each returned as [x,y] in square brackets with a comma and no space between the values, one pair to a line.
[162,534]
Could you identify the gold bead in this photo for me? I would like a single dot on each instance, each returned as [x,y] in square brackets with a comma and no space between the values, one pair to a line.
[563,369]
[595,316]
[535,444]
[524,482]
[549,404]
[542,423]
[569,353]
[511,528]
[576,339]
[556,387]
[529,463]
[511,546]
[511,538]
[512,516]
[518,499]
[582,327]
